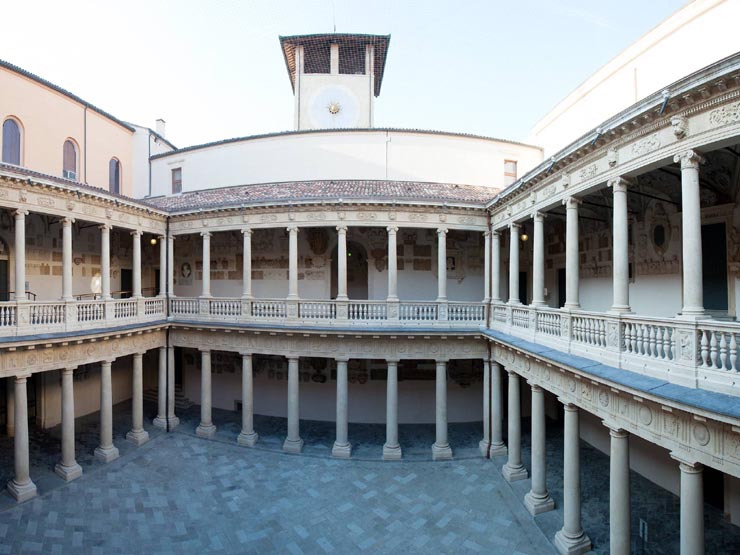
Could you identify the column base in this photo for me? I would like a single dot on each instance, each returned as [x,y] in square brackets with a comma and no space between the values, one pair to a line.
[536,504]
[138,438]
[106,454]
[68,473]
[572,546]
[620,309]
[160,422]
[392,452]
[341,451]
[514,473]
[483,446]
[499,449]
[441,452]
[571,306]
[22,492]
[293,446]
[247,440]
[692,315]
[206,431]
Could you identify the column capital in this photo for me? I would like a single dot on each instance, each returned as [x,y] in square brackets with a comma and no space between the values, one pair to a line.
[496,233]
[394,361]
[514,225]
[205,234]
[442,231]
[245,354]
[204,350]
[105,227]
[571,203]
[567,405]
[136,233]
[67,221]
[487,233]
[247,231]
[534,386]
[620,184]
[439,361]
[161,238]
[68,371]
[686,464]
[342,229]
[511,372]
[139,355]
[538,216]
[392,229]
[20,213]
[615,430]
[342,359]
[107,361]
[689,159]
[292,229]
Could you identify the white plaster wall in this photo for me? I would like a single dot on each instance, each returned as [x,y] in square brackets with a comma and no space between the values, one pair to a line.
[663,55]
[144,145]
[358,87]
[326,155]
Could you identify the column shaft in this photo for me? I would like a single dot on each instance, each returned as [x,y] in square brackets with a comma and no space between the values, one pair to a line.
[487,267]
[161,420]
[172,420]
[441,448]
[571,254]
[693,293]
[496,267]
[68,468]
[497,412]
[441,264]
[293,443]
[136,281]
[20,255]
[485,443]
[342,447]
[67,259]
[391,449]
[514,469]
[247,265]
[137,434]
[105,262]
[619,493]
[171,265]
[206,290]
[293,262]
[106,451]
[21,487]
[247,436]
[341,262]
[392,264]
[692,509]
[538,500]
[206,427]
[620,227]
[162,265]
[514,265]
[538,260]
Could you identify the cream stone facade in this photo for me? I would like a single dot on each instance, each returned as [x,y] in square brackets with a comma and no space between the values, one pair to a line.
[598,291]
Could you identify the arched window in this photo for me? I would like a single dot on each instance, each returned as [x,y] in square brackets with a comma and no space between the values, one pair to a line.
[11,142]
[114,176]
[69,169]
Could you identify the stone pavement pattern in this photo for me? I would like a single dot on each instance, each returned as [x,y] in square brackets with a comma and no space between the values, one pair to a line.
[180,494]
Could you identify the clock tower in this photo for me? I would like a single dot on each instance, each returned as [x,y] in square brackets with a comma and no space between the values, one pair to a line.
[335,78]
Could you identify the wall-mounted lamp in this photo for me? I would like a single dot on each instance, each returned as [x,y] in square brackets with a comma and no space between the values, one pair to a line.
[525,237]
[153,241]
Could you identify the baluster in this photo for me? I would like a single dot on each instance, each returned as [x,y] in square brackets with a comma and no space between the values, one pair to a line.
[659,345]
[733,353]
[722,351]
[713,350]
[633,338]
[653,350]
[704,348]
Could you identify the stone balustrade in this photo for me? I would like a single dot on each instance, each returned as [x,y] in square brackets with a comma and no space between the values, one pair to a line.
[701,353]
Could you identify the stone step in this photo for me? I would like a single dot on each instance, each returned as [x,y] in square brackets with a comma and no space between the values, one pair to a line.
[181,402]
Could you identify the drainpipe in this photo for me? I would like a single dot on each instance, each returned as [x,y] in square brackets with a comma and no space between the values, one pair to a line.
[84,145]
[167,399]
[149,160]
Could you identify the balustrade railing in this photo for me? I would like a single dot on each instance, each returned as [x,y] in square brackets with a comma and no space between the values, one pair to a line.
[185,306]
[154,306]
[90,311]
[269,309]
[589,329]
[47,314]
[367,311]
[423,312]
[125,308]
[520,317]
[718,347]
[225,307]
[317,310]
[466,312]
[646,339]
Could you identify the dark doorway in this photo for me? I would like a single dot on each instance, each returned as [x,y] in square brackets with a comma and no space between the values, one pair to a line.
[156,282]
[178,366]
[356,272]
[714,266]
[127,283]
[4,294]
[523,297]
[561,287]
[714,487]
[4,384]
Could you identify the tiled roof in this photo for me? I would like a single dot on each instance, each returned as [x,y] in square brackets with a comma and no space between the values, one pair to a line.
[334,190]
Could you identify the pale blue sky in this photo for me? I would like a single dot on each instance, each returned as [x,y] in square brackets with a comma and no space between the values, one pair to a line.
[214,69]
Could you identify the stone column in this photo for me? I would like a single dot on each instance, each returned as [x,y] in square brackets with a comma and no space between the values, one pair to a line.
[161,420]
[171,265]
[485,443]
[342,448]
[619,492]
[247,265]
[341,262]
[538,500]
[162,265]
[206,290]
[205,428]
[514,470]
[572,282]
[105,262]
[137,434]
[514,264]
[247,437]
[20,255]
[67,259]
[487,267]
[496,267]
[21,487]
[391,449]
[10,404]
[106,451]
[136,281]
[538,260]
[68,468]
[171,418]
[693,294]
[441,449]
[392,263]
[441,264]
[620,239]
[571,539]
[498,447]
[293,443]
[293,262]
[692,507]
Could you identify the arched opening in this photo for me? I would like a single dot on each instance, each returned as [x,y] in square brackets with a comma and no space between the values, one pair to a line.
[12,142]
[356,271]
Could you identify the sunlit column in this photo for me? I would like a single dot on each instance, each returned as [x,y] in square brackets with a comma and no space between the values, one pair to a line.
[498,447]
[441,448]
[293,262]
[392,263]
[487,267]
[105,262]
[496,267]
[620,240]
[341,262]
[136,237]
[68,468]
[572,282]
[391,449]
[67,259]
[172,420]
[538,260]
[692,507]
[514,264]
[247,264]
[514,470]
[162,265]
[171,265]
[485,443]
[206,291]
[20,254]
[106,451]
[21,487]
[205,428]
[619,492]
[538,500]
[161,420]
[342,447]
[442,264]
[137,434]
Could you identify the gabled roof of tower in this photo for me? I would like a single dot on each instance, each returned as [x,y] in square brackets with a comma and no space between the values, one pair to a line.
[380,42]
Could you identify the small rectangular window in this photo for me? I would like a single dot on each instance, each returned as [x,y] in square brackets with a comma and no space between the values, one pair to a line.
[176,181]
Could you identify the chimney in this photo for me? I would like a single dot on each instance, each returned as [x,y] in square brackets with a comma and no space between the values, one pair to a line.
[160,128]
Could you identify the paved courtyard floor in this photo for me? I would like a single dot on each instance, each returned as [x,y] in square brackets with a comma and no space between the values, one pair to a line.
[182,494]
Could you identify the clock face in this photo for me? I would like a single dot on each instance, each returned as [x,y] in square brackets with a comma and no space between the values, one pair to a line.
[334,107]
